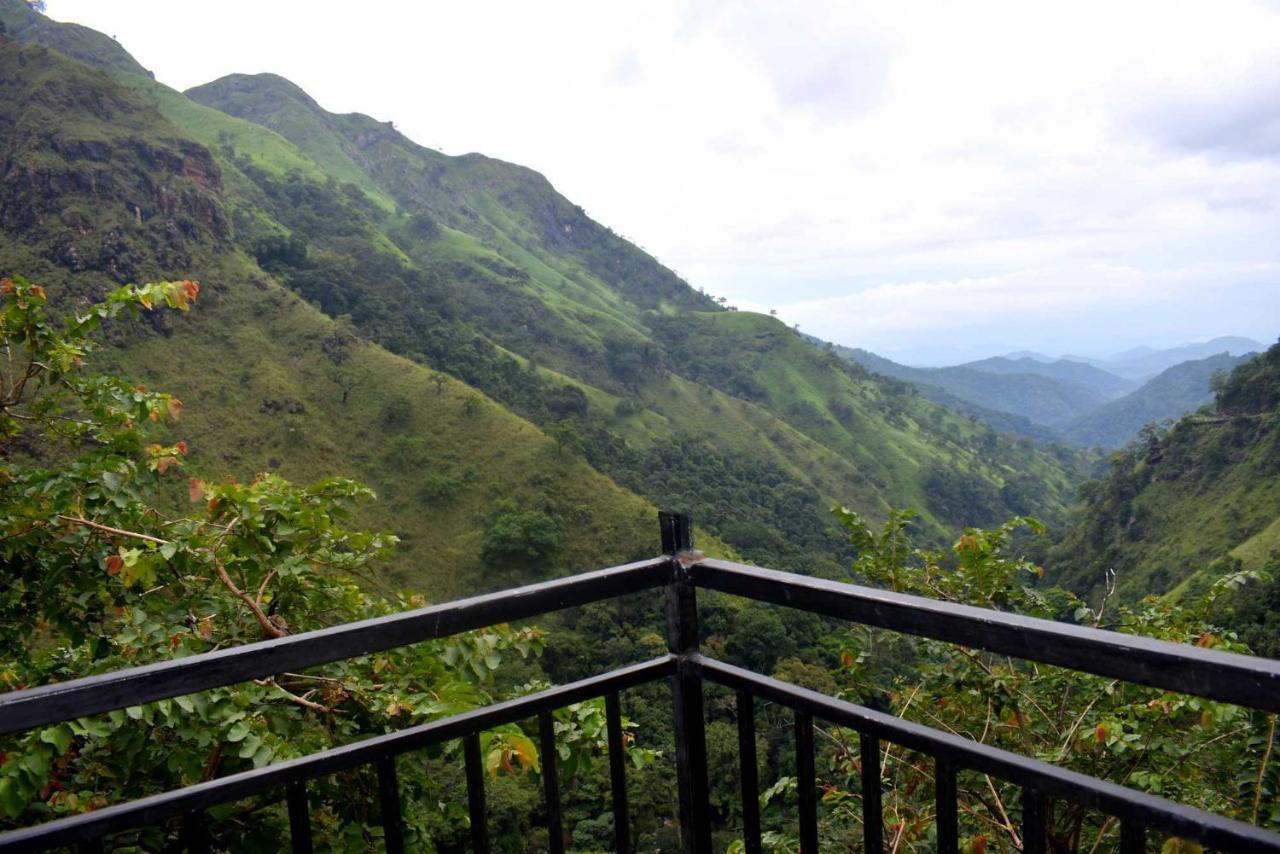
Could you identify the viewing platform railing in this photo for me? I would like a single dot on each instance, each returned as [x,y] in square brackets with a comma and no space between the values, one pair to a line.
[1226,677]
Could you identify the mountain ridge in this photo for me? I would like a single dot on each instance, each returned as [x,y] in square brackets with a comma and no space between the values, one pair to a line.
[490,276]
[1184,506]
[1170,394]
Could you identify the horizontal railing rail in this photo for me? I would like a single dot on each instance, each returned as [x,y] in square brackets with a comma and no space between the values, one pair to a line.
[77,698]
[201,796]
[1244,680]
[954,753]
[1224,676]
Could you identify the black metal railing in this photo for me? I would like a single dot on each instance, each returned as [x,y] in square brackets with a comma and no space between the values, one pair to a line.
[1243,680]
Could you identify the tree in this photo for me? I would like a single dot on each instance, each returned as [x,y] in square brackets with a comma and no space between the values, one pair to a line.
[567,435]
[1207,754]
[100,576]
[521,538]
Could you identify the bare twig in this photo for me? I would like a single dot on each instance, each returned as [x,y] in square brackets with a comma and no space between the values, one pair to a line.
[294,698]
[119,532]
[262,588]
[268,627]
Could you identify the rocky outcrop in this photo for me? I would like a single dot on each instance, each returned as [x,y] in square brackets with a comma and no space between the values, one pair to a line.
[93,179]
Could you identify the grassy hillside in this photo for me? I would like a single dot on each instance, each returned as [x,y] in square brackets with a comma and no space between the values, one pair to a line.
[1174,505]
[542,280]
[479,270]
[122,194]
[1166,396]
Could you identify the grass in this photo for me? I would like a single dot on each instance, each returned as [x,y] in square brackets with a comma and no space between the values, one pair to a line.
[246,346]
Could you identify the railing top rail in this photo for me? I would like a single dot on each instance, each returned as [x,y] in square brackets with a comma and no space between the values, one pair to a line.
[1227,677]
[201,796]
[48,704]
[1147,810]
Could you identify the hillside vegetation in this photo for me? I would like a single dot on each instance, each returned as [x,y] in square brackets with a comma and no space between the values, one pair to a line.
[121,194]
[1178,507]
[474,270]
[1168,395]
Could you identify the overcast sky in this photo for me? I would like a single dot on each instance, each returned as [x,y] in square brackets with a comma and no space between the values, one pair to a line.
[934,182]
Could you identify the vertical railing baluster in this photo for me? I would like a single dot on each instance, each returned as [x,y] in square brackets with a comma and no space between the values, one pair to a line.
[872,811]
[617,773]
[686,690]
[1035,813]
[750,773]
[806,784]
[194,837]
[299,817]
[945,806]
[551,782]
[475,794]
[389,800]
[1133,838]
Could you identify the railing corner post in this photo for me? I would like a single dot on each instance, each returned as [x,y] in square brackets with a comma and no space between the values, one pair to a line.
[686,689]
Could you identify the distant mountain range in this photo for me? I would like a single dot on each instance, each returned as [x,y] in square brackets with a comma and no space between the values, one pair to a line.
[1103,402]
[1170,394]
[1142,363]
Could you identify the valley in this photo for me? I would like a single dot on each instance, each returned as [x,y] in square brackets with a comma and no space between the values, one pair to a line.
[272,371]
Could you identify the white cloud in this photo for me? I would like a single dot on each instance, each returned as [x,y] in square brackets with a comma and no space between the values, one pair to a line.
[789,153]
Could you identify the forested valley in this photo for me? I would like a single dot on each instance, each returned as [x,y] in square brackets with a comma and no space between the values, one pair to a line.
[270,369]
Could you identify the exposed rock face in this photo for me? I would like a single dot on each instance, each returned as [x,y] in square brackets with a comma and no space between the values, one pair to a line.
[117,189]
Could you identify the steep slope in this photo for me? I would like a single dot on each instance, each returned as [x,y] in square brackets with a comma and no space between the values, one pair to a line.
[544,281]
[1170,394]
[1043,400]
[1207,491]
[1079,373]
[480,270]
[99,188]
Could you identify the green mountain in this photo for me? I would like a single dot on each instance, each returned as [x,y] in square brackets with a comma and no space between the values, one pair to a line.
[1205,494]
[100,188]
[1170,394]
[457,333]
[596,310]
[1103,382]
[1042,400]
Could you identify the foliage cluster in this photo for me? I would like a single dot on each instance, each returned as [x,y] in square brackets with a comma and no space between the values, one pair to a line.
[1176,502]
[1211,755]
[109,569]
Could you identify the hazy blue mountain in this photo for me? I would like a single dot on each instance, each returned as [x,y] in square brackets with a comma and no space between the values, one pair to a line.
[1143,363]
[1041,400]
[1107,384]
[1030,354]
[1170,394]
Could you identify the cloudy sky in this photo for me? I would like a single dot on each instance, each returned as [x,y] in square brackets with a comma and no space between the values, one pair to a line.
[935,182]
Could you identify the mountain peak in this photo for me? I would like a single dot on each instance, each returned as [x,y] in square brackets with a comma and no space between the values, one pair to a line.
[261,85]
[82,44]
